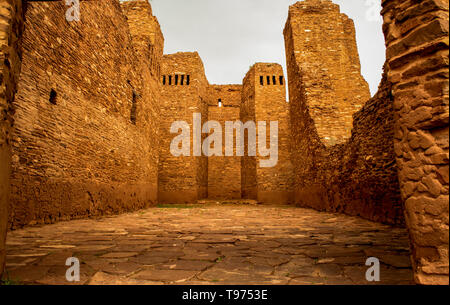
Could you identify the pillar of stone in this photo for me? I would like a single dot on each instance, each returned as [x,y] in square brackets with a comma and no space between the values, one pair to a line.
[417,54]
[264,100]
[148,39]
[322,42]
[11,23]
[182,179]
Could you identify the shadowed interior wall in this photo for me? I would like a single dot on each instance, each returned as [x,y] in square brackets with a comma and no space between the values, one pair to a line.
[83,117]
[417,54]
[11,27]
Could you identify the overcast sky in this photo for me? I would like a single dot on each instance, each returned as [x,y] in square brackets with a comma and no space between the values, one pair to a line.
[231,35]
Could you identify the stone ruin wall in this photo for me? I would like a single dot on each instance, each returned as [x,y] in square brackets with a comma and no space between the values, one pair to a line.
[416,34]
[148,45]
[223,177]
[145,29]
[359,175]
[410,110]
[11,27]
[324,46]
[84,115]
[224,173]
[264,99]
[184,92]
[247,113]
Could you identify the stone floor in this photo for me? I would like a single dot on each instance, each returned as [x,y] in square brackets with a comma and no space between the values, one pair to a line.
[211,244]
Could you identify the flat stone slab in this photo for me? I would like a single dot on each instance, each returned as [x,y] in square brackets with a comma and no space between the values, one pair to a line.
[226,244]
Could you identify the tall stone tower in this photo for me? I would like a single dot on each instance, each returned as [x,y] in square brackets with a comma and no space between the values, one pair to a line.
[264,99]
[148,39]
[323,64]
[182,179]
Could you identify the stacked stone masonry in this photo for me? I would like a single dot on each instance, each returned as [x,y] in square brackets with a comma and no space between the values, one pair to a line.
[224,172]
[96,100]
[323,42]
[358,176]
[264,100]
[11,27]
[183,179]
[417,54]
[85,140]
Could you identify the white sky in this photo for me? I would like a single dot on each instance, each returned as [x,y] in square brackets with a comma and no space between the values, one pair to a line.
[231,35]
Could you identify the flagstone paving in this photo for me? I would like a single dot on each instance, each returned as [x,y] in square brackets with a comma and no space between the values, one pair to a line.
[211,244]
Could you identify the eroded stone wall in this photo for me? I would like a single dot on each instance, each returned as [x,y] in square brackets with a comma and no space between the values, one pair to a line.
[324,45]
[264,100]
[11,27]
[83,117]
[224,172]
[247,114]
[148,39]
[358,176]
[182,179]
[417,54]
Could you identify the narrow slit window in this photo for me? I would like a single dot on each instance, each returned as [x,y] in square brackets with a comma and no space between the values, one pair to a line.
[182,80]
[53,97]
[220,103]
[133,114]
[274,80]
[268,80]
[188,80]
[281,80]
[176,79]
[164,80]
[261,80]
[170,80]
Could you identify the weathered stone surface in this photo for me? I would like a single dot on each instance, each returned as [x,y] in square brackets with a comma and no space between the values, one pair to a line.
[331,79]
[11,27]
[224,173]
[84,151]
[358,176]
[256,254]
[101,278]
[417,49]
[91,138]
[182,179]
[264,99]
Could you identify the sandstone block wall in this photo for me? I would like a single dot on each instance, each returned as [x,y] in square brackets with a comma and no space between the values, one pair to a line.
[417,54]
[324,46]
[247,113]
[83,117]
[11,27]
[224,173]
[148,44]
[182,179]
[264,99]
[358,176]
[148,39]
